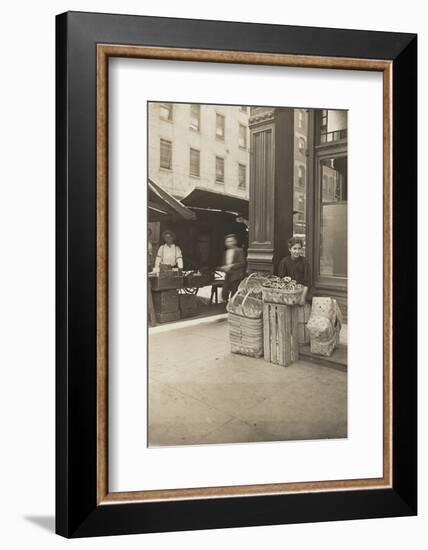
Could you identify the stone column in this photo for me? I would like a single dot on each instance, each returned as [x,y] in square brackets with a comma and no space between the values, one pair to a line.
[271,186]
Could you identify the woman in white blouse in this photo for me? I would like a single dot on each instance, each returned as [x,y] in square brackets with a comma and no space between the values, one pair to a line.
[169,255]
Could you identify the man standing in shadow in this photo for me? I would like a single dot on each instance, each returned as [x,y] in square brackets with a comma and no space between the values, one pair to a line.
[234,266]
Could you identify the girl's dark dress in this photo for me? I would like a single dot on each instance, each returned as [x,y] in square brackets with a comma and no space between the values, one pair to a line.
[297,269]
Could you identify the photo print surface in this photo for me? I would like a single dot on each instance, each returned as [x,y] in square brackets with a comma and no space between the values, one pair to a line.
[247,259]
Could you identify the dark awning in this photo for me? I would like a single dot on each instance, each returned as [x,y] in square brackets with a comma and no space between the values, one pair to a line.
[163,206]
[208,199]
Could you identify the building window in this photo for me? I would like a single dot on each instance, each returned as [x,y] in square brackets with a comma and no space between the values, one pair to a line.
[324,121]
[243,108]
[333,242]
[195,162]
[166,154]
[242,136]
[242,176]
[332,126]
[165,111]
[300,118]
[299,204]
[219,126]
[301,176]
[195,117]
[219,170]
[302,146]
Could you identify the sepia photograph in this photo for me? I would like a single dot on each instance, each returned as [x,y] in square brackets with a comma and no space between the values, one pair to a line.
[233,205]
[247,259]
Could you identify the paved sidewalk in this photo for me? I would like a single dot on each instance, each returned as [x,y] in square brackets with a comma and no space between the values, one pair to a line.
[199,392]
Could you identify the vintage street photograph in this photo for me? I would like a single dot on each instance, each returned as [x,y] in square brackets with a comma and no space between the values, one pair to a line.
[247,265]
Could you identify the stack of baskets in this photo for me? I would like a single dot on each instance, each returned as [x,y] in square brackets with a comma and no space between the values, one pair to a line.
[246,317]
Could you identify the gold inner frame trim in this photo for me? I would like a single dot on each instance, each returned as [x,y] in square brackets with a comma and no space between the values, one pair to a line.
[104,51]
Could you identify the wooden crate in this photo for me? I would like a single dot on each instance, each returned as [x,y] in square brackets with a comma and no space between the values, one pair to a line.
[168,317]
[280,330]
[166,301]
[188,305]
[167,281]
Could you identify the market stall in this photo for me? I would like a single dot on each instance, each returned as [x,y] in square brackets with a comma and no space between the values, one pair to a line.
[165,281]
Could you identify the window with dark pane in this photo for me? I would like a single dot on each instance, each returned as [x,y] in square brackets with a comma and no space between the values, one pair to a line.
[165,111]
[242,176]
[219,170]
[242,136]
[195,162]
[195,117]
[165,154]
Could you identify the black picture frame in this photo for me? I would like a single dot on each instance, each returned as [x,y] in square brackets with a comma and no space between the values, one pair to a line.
[77,511]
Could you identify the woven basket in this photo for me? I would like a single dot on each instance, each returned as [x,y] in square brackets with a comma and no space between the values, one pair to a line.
[246,335]
[247,300]
[280,296]
[245,305]
[253,284]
